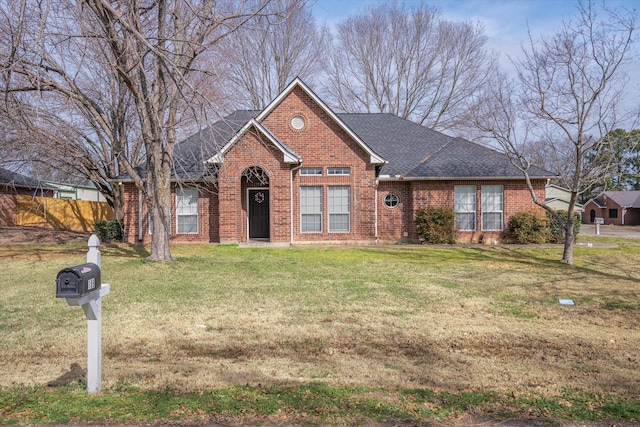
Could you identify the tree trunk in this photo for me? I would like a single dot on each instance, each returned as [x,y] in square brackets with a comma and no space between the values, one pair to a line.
[159,204]
[569,239]
[118,201]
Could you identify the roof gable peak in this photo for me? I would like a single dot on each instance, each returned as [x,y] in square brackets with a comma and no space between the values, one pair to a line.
[298,83]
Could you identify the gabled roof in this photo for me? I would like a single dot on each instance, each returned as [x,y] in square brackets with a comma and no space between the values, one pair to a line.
[626,199]
[403,149]
[374,157]
[14,179]
[289,155]
[597,202]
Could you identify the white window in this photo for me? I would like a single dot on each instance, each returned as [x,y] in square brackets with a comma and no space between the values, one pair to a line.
[339,209]
[297,122]
[391,201]
[465,207]
[338,171]
[311,209]
[187,210]
[492,207]
[311,171]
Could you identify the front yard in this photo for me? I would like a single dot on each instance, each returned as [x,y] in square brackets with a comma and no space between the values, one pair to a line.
[390,322]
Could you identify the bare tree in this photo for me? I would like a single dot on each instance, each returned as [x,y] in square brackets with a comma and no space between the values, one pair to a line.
[151,47]
[273,50]
[565,94]
[68,112]
[411,63]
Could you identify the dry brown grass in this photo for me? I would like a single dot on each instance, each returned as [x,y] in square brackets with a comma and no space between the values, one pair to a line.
[404,317]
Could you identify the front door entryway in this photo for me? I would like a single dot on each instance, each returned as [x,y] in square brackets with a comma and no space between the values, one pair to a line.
[258,214]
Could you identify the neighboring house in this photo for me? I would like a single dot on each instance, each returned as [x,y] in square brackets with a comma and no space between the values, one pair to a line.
[558,198]
[76,192]
[297,172]
[616,207]
[13,184]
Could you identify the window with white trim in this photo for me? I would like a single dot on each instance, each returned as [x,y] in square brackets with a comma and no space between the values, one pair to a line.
[311,171]
[492,207]
[311,209]
[391,201]
[339,171]
[465,207]
[339,200]
[187,210]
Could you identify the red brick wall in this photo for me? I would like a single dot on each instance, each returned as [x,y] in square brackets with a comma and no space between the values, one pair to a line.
[130,218]
[322,143]
[631,216]
[7,210]
[586,212]
[393,223]
[207,218]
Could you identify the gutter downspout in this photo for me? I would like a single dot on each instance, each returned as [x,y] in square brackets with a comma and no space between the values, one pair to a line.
[291,203]
[140,215]
[375,204]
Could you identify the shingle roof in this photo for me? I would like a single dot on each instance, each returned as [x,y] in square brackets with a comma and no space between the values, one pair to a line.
[191,153]
[18,180]
[411,150]
[414,151]
[626,199]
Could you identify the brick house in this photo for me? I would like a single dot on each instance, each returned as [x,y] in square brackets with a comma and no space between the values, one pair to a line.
[296,172]
[13,184]
[615,207]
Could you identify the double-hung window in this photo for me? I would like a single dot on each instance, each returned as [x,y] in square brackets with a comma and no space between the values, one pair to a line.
[339,201]
[187,210]
[465,207]
[311,209]
[492,207]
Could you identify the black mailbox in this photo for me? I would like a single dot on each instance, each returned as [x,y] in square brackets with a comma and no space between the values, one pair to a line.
[74,282]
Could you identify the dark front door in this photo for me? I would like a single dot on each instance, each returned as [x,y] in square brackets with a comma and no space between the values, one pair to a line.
[259,214]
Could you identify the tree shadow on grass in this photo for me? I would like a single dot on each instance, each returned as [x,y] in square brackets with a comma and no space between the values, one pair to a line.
[75,374]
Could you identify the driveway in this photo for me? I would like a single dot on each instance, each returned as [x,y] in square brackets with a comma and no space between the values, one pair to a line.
[611,230]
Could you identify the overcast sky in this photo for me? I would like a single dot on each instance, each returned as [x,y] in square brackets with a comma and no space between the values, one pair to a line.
[505,22]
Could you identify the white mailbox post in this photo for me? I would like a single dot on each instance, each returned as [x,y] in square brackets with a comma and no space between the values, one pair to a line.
[78,292]
[598,222]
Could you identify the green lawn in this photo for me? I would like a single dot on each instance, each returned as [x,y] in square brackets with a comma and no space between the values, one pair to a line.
[317,335]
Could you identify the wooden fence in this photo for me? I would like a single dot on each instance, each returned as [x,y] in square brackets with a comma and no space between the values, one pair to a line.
[76,215]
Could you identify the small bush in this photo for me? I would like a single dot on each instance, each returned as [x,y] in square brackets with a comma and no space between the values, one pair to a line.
[110,231]
[529,227]
[557,230]
[435,225]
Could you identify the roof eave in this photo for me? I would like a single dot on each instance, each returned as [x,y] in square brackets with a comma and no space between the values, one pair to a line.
[288,155]
[455,178]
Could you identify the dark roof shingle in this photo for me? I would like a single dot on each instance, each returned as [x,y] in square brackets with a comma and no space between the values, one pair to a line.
[411,150]
[15,179]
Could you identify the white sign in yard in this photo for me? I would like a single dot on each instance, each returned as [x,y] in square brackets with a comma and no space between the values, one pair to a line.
[598,221]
